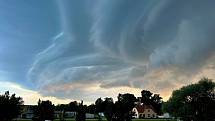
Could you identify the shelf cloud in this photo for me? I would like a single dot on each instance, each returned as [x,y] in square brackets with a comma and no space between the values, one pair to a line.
[109,45]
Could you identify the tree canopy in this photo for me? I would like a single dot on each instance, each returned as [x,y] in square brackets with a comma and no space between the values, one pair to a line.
[148,98]
[124,106]
[118,111]
[193,102]
[44,111]
[10,106]
[81,111]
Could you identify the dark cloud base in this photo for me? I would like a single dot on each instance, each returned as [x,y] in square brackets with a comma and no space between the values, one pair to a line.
[124,43]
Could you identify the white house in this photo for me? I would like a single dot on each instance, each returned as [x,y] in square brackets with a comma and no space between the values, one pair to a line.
[70,114]
[144,111]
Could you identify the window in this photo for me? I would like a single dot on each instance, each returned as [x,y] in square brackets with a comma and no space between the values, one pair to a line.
[148,110]
[153,115]
[149,115]
[142,116]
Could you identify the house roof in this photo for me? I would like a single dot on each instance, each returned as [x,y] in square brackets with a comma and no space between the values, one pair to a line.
[141,108]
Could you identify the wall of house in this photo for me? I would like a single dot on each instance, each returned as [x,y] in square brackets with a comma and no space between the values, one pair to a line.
[135,113]
[148,113]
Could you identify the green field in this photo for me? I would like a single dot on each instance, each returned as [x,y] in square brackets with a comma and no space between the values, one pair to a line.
[105,120]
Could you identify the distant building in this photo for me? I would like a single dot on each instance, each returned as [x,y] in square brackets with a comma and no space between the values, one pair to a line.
[58,114]
[69,114]
[90,116]
[144,111]
[27,112]
[66,114]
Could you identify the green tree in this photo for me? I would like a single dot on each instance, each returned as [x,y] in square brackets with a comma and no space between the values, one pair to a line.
[10,106]
[148,98]
[193,102]
[124,106]
[44,111]
[118,111]
[108,108]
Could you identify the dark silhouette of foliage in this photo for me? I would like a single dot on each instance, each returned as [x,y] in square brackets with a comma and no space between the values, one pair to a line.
[62,107]
[44,111]
[193,102]
[124,106]
[91,109]
[10,106]
[73,106]
[118,111]
[99,107]
[148,98]
[81,111]
[108,108]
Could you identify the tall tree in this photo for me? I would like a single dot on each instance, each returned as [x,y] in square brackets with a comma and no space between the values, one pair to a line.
[124,106]
[193,102]
[99,107]
[118,111]
[10,106]
[44,111]
[148,98]
[108,108]
[91,109]
[73,106]
[81,111]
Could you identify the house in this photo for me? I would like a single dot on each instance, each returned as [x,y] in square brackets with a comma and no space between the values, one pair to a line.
[69,114]
[144,111]
[58,114]
[66,114]
[27,112]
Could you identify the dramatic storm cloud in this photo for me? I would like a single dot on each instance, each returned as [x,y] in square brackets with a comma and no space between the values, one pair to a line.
[85,50]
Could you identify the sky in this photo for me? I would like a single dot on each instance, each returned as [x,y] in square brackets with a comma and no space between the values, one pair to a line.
[65,50]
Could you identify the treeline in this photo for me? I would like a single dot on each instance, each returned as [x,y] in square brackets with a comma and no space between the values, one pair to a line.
[119,110]
[10,106]
[194,102]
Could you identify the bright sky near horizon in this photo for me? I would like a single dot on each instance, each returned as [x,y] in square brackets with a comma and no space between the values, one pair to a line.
[66,50]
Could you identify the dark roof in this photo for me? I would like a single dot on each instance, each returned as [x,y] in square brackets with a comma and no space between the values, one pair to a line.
[141,107]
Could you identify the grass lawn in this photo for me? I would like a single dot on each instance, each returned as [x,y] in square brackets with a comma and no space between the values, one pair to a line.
[105,120]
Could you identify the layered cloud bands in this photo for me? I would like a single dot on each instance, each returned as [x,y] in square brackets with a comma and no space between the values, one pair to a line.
[111,46]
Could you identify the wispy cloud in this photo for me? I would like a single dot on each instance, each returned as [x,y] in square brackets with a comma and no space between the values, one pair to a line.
[155,45]
[29,96]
